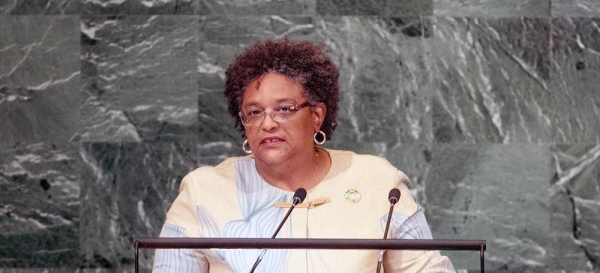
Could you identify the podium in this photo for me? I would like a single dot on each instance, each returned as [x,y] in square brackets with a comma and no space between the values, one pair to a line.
[277,243]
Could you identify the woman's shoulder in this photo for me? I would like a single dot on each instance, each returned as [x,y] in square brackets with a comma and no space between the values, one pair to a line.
[225,169]
[360,159]
[362,166]
[368,163]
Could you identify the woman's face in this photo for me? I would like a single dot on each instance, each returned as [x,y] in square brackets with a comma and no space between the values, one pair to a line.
[275,142]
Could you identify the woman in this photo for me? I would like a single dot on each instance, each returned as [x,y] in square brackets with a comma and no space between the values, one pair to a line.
[284,96]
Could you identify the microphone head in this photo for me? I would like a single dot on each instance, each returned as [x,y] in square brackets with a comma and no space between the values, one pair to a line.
[299,196]
[394,196]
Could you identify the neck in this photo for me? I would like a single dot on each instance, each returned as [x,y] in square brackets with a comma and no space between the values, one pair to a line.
[304,171]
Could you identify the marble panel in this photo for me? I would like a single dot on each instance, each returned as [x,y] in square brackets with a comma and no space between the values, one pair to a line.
[139,7]
[385,88]
[388,8]
[491,8]
[435,96]
[222,38]
[142,73]
[127,192]
[39,79]
[575,8]
[414,159]
[497,193]
[575,207]
[45,7]
[39,211]
[384,79]
[260,7]
[574,79]
[495,85]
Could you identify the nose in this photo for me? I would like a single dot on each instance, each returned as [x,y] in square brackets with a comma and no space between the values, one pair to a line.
[269,123]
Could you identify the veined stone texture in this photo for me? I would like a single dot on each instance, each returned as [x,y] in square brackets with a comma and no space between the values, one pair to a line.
[33,7]
[257,7]
[493,76]
[575,8]
[128,189]
[386,8]
[39,213]
[575,206]
[574,79]
[491,108]
[142,73]
[39,79]
[491,8]
[139,7]
[497,192]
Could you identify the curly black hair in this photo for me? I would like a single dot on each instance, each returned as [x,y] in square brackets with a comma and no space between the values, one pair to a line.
[304,62]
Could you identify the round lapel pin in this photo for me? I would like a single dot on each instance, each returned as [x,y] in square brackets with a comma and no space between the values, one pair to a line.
[352,195]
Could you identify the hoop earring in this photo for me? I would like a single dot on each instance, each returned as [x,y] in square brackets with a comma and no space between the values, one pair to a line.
[246,147]
[319,134]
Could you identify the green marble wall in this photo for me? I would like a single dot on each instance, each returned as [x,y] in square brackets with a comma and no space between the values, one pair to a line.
[491,107]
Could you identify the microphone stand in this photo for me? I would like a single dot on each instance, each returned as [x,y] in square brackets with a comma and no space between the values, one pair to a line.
[393,197]
[299,196]
[272,237]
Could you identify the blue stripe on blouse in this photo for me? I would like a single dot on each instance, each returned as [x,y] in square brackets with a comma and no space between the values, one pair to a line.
[260,219]
[175,260]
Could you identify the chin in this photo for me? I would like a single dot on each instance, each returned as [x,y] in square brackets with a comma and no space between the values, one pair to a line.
[270,157]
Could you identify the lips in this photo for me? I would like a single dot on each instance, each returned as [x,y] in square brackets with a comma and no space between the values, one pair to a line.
[271,140]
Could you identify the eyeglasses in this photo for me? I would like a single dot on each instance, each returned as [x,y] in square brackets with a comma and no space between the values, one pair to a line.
[280,114]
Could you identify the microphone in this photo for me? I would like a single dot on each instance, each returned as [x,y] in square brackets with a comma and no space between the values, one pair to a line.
[393,197]
[299,196]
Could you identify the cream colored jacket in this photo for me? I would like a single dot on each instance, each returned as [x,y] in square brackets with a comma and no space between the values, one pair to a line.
[232,200]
